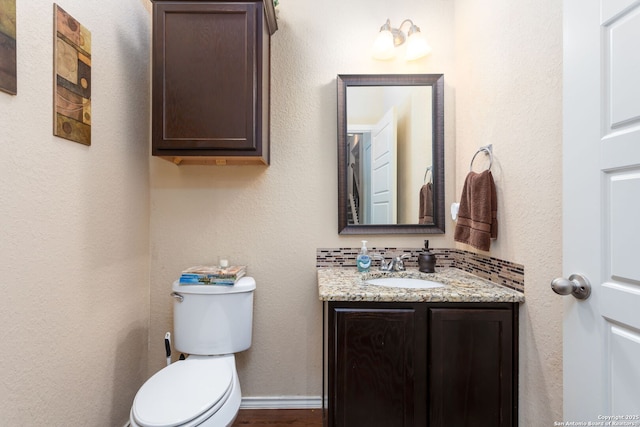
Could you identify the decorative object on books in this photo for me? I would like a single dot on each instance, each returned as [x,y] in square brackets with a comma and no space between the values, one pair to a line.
[223,261]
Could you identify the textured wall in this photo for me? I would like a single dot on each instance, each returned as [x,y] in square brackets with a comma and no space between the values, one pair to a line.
[74,226]
[274,218]
[509,72]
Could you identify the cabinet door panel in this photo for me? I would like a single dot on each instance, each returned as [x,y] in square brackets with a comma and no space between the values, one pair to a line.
[205,67]
[374,367]
[470,360]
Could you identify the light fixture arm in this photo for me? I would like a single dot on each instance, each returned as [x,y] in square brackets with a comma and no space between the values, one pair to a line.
[399,36]
[404,22]
[386,26]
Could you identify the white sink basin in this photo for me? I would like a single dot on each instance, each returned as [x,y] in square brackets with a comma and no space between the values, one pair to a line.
[404,282]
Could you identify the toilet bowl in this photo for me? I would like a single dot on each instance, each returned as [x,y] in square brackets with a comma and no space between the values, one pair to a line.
[198,391]
[211,323]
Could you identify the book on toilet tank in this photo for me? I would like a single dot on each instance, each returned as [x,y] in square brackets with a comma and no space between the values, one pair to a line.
[215,275]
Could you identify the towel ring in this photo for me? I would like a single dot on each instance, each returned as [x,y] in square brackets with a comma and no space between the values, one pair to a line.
[488,149]
[429,169]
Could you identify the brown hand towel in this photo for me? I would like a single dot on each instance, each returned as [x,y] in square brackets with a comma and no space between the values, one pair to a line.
[477,222]
[425,216]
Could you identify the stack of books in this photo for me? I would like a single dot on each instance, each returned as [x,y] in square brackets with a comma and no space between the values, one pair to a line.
[204,275]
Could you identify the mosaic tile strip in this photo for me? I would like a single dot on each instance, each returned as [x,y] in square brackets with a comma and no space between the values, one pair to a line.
[498,271]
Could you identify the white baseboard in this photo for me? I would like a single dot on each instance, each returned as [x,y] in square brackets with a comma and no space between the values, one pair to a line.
[281,402]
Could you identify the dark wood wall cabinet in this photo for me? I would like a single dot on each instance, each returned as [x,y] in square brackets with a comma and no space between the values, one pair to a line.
[421,364]
[210,89]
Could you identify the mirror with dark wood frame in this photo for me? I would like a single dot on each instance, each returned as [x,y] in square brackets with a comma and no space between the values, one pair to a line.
[391,154]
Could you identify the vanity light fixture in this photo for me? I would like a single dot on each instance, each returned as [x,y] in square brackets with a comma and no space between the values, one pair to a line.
[389,38]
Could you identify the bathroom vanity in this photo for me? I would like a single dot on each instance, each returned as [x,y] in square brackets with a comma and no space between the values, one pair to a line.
[445,356]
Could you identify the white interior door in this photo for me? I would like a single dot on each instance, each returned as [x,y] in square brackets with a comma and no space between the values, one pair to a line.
[601,209]
[384,175]
[365,201]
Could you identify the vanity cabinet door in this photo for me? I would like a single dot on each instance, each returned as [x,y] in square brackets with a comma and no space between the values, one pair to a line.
[210,82]
[472,367]
[375,375]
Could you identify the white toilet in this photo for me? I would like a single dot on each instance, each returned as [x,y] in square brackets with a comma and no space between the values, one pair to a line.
[210,324]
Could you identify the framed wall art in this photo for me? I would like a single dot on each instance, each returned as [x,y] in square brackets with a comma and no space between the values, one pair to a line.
[8,59]
[72,78]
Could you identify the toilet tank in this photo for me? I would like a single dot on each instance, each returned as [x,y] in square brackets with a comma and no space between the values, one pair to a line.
[213,319]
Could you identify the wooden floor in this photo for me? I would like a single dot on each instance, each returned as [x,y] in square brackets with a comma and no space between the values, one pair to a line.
[279,418]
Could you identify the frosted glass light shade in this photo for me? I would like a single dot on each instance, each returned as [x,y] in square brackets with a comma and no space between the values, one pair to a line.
[383,47]
[417,46]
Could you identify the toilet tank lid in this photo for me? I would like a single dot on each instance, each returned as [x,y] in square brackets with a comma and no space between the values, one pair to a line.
[245,284]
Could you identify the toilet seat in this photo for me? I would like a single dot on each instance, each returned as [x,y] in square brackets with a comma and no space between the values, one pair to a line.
[184,393]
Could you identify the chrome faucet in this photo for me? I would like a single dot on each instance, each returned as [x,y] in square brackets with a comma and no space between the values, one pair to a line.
[396,264]
[383,265]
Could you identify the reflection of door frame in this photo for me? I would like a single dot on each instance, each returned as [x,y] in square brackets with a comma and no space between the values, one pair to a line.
[365,170]
[366,167]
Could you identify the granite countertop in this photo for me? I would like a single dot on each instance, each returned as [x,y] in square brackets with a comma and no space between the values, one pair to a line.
[347,284]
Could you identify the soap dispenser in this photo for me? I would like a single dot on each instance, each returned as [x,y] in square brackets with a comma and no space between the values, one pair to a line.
[427,260]
[363,260]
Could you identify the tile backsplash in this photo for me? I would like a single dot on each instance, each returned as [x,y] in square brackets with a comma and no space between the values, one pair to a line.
[498,271]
